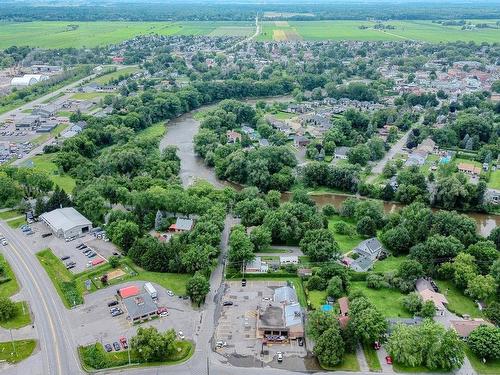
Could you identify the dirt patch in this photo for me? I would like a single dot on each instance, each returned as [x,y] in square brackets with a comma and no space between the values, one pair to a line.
[279,35]
[115,274]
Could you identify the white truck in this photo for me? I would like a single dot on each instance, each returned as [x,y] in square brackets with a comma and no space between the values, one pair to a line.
[151,290]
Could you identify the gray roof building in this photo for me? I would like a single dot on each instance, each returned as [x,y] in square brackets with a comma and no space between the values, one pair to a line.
[66,222]
[286,295]
[140,307]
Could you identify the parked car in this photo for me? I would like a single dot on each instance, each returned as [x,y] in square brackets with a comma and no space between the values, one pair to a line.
[300,341]
[112,303]
[108,348]
[279,356]
[220,344]
[116,313]
[70,266]
[91,255]
[124,343]
[388,360]
[181,336]
[162,311]
[116,346]
[86,251]
[65,257]
[44,235]
[4,242]
[376,345]
[81,246]
[227,303]
[170,293]
[29,233]
[244,282]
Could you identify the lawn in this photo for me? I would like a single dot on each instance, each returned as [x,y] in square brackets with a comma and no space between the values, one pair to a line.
[17,222]
[457,301]
[494,182]
[372,358]
[22,319]
[316,298]
[89,95]
[272,250]
[45,163]
[114,75]
[154,131]
[71,288]
[10,287]
[184,350]
[491,367]
[346,243]
[386,300]
[4,215]
[390,263]
[23,349]
[349,363]
[284,115]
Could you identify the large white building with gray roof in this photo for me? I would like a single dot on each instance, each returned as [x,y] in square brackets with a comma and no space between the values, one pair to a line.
[66,222]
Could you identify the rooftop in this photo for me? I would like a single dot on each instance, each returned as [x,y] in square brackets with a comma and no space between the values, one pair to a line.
[465,327]
[65,218]
[140,305]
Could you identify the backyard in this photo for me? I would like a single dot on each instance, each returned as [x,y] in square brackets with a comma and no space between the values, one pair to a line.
[458,303]
[386,300]
[346,242]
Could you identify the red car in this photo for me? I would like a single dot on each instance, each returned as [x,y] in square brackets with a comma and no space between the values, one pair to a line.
[388,360]
[123,342]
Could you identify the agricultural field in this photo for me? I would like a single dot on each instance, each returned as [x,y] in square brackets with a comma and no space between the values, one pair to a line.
[63,34]
[349,30]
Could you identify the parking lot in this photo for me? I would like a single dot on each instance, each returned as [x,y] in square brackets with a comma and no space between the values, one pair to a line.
[237,323]
[92,322]
[63,249]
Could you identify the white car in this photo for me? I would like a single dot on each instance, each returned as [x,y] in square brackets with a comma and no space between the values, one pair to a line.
[279,356]
[4,242]
[181,335]
[170,293]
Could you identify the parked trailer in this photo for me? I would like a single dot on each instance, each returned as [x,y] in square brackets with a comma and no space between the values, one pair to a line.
[151,290]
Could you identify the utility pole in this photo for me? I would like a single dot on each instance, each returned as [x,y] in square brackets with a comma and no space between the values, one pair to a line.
[13,345]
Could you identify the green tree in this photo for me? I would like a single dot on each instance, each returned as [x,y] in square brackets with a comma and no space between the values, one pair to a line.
[481,287]
[329,347]
[334,288]
[412,302]
[359,154]
[485,254]
[240,246]
[495,237]
[150,345]
[261,238]
[318,322]
[484,341]
[8,309]
[197,288]
[113,261]
[366,227]
[320,245]
[123,233]
[428,310]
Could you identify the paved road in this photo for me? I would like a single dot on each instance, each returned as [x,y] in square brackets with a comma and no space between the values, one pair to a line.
[58,351]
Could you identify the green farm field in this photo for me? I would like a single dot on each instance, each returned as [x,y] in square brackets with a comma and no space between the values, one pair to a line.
[404,30]
[62,34]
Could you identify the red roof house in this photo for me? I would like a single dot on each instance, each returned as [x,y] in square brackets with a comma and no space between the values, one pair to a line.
[129,291]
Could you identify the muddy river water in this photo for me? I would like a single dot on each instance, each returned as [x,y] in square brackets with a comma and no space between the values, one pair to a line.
[180,133]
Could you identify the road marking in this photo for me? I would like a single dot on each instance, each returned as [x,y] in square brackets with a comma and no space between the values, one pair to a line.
[51,323]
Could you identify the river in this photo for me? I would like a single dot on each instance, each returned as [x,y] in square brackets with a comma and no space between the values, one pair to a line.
[180,133]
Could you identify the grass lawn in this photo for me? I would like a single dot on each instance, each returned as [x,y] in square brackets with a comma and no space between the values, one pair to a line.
[349,363]
[64,113]
[10,287]
[494,182]
[316,298]
[457,301]
[491,367]
[390,263]
[154,131]
[71,288]
[346,243]
[284,115]
[45,163]
[372,358]
[17,222]
[270,250]
[4,215]
[386,300]
[24,348]
[184,350]
[89,95]
[22,319]
[114,75]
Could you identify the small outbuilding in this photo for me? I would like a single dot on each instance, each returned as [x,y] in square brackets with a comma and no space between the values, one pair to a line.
[66,222]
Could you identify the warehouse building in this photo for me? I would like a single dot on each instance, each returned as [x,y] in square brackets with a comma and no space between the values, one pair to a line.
[66,222]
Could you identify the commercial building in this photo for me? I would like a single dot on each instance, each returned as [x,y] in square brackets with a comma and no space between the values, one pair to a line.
[28,80]
[66,222]
[140,308]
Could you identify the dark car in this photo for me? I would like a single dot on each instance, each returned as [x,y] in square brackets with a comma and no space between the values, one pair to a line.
[108,348]
[91,255]
[65,257]
[244,282]
[116,313]
[46,235]
[227,303]
[81,246]
[112,303]
[300,341]
[116,346]
[70,266]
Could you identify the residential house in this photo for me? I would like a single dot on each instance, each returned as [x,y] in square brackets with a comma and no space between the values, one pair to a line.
[341,152]
[300,141]
[368,251]
[438,299]
[492,196]
[233,137]
[304,272]
[344,312]
[182,225]
[289,259]
[256,266]
[469,169]
[465,327]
